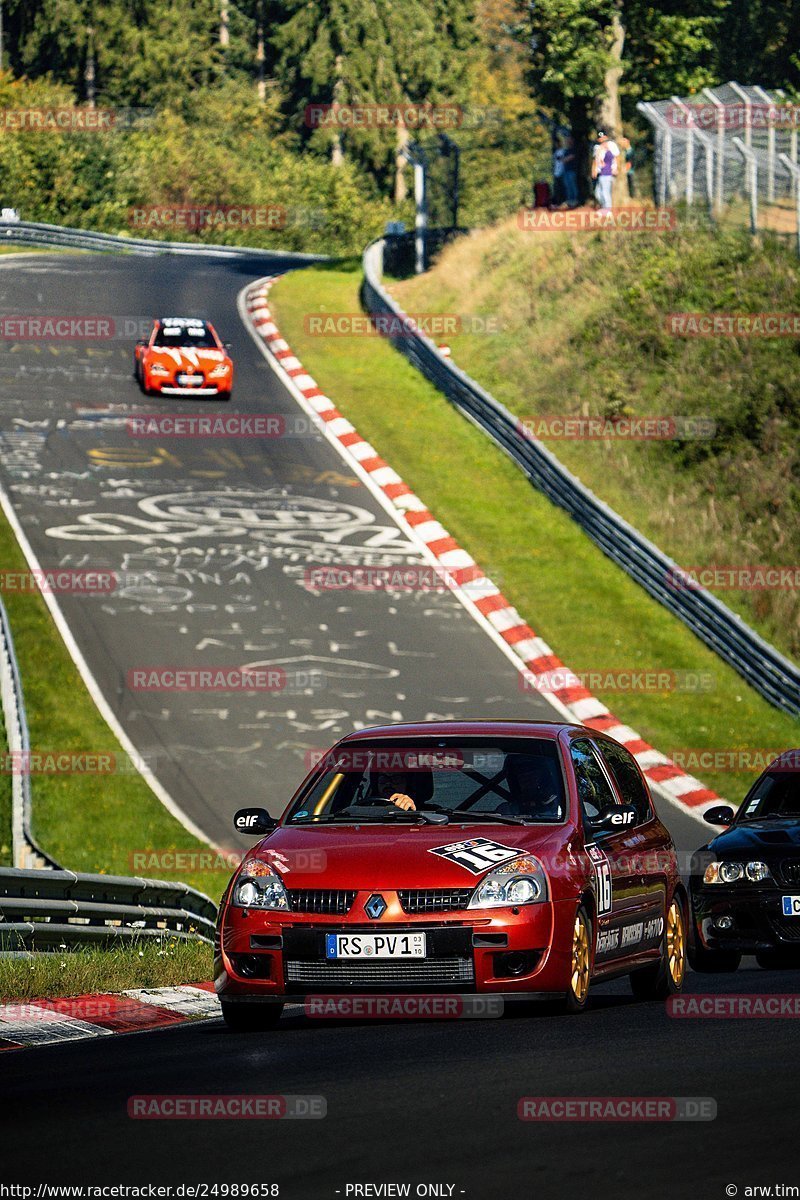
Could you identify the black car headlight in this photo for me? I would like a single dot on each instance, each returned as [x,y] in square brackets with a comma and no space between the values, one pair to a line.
[258,886]
[737,872]
[521,881]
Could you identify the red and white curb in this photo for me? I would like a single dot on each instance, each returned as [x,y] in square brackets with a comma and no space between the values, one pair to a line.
[535,659]
[42,1022]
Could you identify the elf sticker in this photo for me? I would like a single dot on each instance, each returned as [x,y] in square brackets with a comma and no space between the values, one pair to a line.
[477,854]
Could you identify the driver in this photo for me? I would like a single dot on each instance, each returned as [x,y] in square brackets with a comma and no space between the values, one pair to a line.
[391,787]
[536,787]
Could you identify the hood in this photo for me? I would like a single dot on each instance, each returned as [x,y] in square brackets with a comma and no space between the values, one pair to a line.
[185,357]
[773,836]
[403,855]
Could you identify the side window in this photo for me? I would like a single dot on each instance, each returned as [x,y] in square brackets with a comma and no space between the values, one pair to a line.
[626,776]
[593,788]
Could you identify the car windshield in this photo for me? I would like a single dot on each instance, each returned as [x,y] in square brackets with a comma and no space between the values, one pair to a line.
[776,795]
[185,335]
[509,781]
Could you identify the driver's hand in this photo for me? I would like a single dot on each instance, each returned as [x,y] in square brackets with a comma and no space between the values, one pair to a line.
[402,801]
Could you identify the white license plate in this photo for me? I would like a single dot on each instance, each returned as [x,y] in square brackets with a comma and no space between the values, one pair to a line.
[188,380]
[375,945]
[791,906]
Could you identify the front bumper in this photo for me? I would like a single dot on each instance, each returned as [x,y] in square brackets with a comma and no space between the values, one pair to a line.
[757,920]
[502,952]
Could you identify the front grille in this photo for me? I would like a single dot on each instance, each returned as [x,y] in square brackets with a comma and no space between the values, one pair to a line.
[787,928]
[434,900]
[436,972]
[321,900]
[790,870]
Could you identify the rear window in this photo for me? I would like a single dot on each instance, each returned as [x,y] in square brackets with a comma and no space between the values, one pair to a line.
[519,778]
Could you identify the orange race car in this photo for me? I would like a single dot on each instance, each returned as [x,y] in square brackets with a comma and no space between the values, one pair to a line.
[183,357]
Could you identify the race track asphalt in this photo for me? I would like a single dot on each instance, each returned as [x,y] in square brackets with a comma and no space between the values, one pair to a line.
[218,538]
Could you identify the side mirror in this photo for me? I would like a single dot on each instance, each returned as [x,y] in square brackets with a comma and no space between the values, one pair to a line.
[615,818]
[142,342]
[227,345]
[253,820]
[720,814]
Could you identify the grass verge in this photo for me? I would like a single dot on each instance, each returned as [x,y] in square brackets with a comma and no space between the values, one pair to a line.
[87,822]
[85,972]
[588,609]
[589,325]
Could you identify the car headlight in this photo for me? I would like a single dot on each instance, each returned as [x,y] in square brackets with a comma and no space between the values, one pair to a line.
[222,369]
[521,881]
[259,887]
[158,369]
[735,872]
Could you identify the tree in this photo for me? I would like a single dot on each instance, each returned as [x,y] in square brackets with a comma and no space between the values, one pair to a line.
[590,62]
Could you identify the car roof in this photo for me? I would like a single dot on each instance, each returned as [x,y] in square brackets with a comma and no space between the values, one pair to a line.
[183,321]
[484,727]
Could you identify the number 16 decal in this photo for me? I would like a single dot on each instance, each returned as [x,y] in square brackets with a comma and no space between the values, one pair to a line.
[602,873]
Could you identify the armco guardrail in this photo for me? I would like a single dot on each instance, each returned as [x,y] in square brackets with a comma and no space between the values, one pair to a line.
[48,910]
[770,673]
[25,851]
[33,233]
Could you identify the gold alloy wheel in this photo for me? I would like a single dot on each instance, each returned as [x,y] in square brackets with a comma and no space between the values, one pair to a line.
[676,944]
[579,981]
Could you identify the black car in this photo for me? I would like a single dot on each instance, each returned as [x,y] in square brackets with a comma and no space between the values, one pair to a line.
[745,884]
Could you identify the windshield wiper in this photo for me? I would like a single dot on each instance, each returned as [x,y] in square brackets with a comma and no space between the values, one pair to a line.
[489,818]
[377,814]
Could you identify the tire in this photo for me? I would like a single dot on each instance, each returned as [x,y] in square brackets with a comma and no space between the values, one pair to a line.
[658,981]
[577,994]
[714,962]
[778,960]
[250,1018]
[223,396]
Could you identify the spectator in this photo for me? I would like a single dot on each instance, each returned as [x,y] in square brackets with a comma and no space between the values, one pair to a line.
[558,172]
[627,152]
[604,168]
[570,175]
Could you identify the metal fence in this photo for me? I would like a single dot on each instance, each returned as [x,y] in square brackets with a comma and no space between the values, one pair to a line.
[732,150]
[53,910]
[775,677]
[24,849]
[36,233]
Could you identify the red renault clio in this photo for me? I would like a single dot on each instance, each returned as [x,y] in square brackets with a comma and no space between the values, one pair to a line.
[487,857]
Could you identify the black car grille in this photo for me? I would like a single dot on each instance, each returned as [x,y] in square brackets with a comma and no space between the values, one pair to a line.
[434,900]
[787,928]
[436,972]
[790,870]
[321,900]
